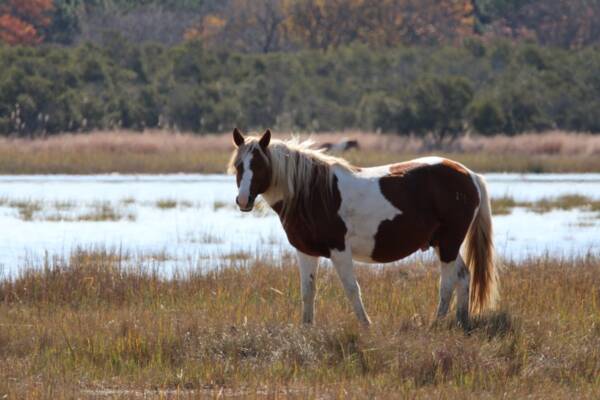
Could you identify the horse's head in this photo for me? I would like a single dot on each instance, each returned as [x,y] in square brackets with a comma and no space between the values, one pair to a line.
[252,167]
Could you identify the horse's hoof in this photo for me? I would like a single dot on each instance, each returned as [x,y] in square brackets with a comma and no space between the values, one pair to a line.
[465,325]
[365,323]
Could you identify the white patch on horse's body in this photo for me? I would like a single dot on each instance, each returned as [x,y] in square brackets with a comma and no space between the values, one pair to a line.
[374,172]
[244,191]
[363,208]
[433,160]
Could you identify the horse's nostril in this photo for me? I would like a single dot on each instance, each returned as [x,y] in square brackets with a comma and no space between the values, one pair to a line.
[237,201]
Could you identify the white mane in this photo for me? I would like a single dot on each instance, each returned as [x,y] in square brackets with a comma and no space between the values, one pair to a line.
[296,164]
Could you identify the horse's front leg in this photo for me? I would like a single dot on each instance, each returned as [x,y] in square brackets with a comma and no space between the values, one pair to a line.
[308,275]
[343,264]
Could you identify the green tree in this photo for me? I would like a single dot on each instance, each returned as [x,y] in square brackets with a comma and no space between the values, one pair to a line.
[486,117]
[441,104]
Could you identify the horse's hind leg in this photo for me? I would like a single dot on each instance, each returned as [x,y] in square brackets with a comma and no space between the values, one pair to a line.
[455,274]
[462,292]
[448,278]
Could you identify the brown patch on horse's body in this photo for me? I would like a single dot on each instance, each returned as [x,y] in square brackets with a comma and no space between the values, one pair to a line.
[401,168]
[322,231]
[437,204]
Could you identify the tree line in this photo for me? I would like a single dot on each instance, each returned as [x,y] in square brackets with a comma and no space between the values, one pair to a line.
[292,25]
[479,86]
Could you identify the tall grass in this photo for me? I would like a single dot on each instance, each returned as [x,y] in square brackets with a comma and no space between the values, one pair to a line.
[166,152]
[118,151]
[39,210]
[89,326]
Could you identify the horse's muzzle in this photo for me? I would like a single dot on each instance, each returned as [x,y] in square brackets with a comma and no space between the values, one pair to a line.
[248,207]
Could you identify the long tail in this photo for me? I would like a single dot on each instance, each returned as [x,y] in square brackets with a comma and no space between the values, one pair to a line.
[479,252]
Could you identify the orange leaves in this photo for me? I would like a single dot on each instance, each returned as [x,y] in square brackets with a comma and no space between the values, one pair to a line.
[209,28]
[453,19]
[21,20]
[15,31]
[32,10]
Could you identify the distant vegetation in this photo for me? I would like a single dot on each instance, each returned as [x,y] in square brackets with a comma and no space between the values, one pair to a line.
[485,88]
[400,66]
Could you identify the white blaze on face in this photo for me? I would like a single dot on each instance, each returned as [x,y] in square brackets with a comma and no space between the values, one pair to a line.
[244,190]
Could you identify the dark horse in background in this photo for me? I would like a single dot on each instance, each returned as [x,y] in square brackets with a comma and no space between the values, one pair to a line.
[332,209]
[341,146]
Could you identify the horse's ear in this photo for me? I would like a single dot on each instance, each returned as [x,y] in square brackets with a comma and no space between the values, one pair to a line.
[238,138]
[265,139]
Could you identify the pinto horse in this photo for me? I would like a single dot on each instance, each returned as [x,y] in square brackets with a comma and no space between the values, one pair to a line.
[329,208]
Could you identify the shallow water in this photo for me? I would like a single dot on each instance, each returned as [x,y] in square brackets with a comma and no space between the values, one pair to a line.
[528,187]
[205,224]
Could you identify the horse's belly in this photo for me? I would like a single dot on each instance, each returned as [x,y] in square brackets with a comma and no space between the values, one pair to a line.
[362,248]
[398,251]
[402,236]
[388,252]
[389,240]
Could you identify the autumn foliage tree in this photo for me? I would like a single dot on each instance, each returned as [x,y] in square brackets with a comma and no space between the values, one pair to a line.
[268,25]
[331,23]
[252,26]
[21,21]
[564,23]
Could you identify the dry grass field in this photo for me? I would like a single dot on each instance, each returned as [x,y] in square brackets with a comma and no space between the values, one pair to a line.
[88,327]
[165,152]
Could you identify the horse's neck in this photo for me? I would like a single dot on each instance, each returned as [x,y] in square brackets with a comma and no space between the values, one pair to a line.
[272,196]
[275,194]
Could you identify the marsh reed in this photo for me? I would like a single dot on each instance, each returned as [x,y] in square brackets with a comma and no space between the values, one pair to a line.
[168,152]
